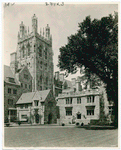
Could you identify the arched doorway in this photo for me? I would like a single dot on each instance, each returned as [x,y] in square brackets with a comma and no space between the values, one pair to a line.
[37,118]
[50,118]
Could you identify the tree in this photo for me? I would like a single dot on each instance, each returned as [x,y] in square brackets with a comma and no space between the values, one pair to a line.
[103,119]
[95,46]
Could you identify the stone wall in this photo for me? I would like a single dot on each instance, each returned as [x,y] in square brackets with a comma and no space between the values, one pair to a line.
[11,96]
[50,109]
[78,108]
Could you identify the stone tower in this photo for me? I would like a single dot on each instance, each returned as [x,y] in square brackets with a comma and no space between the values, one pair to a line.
[34,50]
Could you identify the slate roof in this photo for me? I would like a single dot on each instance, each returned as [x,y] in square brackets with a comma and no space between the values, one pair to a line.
[29,97]
[8,74]
[26,98]
[41,95]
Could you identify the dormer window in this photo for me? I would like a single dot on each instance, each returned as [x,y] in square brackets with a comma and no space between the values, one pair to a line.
[36,103]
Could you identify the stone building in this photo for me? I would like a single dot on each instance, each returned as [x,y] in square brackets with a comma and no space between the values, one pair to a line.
[14,86]
[78,107]
[37,107]
[57,87]
[24,77]
[82,106]
[80,101]
[11,94]
[34,50]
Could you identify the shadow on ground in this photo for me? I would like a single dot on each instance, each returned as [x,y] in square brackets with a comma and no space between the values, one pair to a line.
[97,127]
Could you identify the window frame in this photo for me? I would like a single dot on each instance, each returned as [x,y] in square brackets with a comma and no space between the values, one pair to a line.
[25,86]
[78,100]
[78,116]
[68,112]
[69,100]
[21,84]
[10,102]
[90,112]
[14,91]
[9,90]
[36,103]
[46,53]
[91,99]
[26,105]
[40,51]
[21,106]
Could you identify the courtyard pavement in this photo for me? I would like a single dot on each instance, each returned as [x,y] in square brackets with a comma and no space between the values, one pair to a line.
[58,136]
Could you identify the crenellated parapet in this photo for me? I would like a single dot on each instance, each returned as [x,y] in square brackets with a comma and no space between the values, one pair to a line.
[34,50]
[44,34]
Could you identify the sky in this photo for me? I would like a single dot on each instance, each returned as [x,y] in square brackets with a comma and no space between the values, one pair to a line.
[63,21]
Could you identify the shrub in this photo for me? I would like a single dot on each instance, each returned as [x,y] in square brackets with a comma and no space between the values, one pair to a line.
[6,120]
[94,122]
[63,124]
[7,124]
[77,123]
[19,123]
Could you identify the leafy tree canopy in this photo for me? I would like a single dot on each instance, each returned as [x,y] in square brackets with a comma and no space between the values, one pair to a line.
[94,46]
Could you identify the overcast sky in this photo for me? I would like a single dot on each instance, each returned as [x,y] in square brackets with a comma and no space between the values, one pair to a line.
[63,21]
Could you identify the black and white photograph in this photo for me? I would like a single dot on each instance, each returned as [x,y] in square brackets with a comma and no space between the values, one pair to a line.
[60,72]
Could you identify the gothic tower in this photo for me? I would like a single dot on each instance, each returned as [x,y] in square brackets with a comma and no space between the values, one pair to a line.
[34,50]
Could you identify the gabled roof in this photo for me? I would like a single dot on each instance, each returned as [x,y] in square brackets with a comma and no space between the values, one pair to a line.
[31,96]
[41,95]
[21,69]
[8,74]
[26,98]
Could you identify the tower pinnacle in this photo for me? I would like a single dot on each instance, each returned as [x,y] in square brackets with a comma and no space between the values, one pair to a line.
[34,24]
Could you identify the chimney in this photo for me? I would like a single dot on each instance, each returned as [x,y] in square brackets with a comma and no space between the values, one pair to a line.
[73,81]
[61,77]
[13,63]
[57,75]
[78,86]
